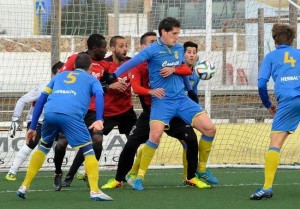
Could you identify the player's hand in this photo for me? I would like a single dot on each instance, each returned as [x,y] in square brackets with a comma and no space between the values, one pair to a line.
[159,93]
[120,86]
[272,109]
[108,77]
[167,71]
[193,96]
[15,126]
[97,125]
[30,135]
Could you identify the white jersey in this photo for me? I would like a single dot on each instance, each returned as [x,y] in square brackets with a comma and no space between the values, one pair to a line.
[29,97]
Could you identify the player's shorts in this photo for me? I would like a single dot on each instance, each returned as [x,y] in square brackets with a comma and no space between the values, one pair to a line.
[165,109]
[177,128]
[89,119]
[140,131]
[124,121]
[74,130]
[287,116]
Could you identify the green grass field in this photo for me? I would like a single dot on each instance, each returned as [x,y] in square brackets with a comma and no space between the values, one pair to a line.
[163,190]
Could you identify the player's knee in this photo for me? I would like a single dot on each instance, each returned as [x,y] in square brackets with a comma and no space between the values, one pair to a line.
[61,144]
[97,139]
[210,131]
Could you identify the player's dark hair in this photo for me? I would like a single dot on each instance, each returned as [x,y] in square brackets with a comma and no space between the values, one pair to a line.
[145,35]
[95,40]
[190,44]
[168,24]
[113,40]
[83,61]
[56,67]
[283,34]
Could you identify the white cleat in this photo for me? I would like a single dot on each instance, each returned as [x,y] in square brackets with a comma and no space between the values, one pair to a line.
[21,192]
[100,196]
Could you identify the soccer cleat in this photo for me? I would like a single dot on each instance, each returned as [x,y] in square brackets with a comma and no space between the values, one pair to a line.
[80,176]
[207,176]
[138,184]
[100,196]
[10,177]
[86,179]
[112,183]
[261,193]
[21,192]
[197,183]
[130,179]
[67,181]
[57,184]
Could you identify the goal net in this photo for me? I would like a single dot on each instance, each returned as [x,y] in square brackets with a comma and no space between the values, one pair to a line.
[234,34]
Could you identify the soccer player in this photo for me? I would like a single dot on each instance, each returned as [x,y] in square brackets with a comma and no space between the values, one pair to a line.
[96,44]
[28,98]
[68,97]
[283,66]
[190,57]
[167,53]
[140,132]
[118,107]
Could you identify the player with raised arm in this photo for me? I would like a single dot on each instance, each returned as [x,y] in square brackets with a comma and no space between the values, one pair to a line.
[159,55]
[283,66]
[28,98]
[140,132]
[96,45]
[68,97]
[118,107]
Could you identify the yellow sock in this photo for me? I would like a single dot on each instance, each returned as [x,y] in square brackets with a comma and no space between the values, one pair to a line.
[36,162]
[204,151]
[148,152]
[136,165]
[92,169]
[184,163]
[271,165]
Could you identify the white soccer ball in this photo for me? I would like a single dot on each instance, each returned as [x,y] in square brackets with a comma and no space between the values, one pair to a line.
[205,69]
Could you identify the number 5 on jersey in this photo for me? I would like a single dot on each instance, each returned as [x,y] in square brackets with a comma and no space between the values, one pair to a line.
[71,78]
[288,59]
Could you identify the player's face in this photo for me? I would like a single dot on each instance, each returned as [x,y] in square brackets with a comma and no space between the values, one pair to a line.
[170,38]
[120,50]
[190,56]
[100,52]
[149,40]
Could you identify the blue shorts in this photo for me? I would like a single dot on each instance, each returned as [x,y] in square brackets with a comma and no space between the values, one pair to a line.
[287,116]
[165,109]
[74,130]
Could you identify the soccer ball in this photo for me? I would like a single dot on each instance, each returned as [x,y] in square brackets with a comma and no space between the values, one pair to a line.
[205,69]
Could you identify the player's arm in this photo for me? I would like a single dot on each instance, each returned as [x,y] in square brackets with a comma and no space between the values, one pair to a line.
[138,88]
[192,95]
[263,78]
[183,70]
[99,102]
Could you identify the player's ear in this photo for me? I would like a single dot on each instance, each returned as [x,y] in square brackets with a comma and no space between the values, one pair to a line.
[90,69]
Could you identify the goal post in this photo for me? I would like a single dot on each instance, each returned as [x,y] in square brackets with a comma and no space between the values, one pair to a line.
[231,33]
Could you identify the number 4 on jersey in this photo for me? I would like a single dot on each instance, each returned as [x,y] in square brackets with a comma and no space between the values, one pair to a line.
[288,59]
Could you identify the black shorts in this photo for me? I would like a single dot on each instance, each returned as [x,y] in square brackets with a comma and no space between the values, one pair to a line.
[140,131]
[89,119]
[177,128]
[124,121]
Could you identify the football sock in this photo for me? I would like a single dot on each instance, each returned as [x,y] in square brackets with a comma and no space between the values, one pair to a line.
[92,169]
[204,148]
[184,162]
[136,165]
[148,152]
[271,165]
[21,156]
[36,162]
[58,158]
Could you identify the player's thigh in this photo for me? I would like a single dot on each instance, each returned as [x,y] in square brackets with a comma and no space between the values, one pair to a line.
[203,123]
[126,121]
[287,116]
[177,127]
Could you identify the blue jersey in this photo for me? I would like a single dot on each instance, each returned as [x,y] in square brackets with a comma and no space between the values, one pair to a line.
[194,81]
[70,93]
[283,65]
